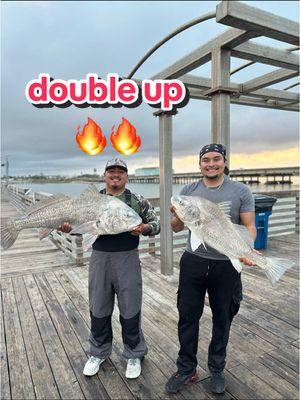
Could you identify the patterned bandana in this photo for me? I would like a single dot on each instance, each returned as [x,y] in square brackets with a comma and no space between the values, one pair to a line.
[219,148]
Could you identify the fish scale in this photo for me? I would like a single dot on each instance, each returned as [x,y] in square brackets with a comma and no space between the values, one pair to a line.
[235,247]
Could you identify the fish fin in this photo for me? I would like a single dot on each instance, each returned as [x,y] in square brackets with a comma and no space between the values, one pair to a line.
[88,241]
[8,235]
[43,232]
[196,241]
[237,264]
[276,267]
[91,190]
[57,198]
[87,227]
[245,234]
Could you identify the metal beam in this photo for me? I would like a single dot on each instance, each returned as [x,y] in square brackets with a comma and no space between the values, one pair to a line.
[269,79]
[289,104]
[266,55]
[229,39]
[273,94]
[220,102]
[235,70]
[193,81]
[247,101]
[242,16]
[291,86]
[165,190]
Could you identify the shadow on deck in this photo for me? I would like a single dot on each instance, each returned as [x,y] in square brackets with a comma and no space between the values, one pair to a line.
[45,329]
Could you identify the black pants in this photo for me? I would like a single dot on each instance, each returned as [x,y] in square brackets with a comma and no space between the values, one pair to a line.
[223,284]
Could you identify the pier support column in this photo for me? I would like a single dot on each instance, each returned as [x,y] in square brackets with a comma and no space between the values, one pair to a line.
[220,98]
[165,191]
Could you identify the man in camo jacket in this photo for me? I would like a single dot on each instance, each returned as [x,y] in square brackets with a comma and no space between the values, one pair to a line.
[115,269]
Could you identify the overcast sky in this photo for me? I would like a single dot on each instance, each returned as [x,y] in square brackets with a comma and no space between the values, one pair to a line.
[70,39]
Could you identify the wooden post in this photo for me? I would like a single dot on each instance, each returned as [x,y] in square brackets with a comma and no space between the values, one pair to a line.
[165,189]
[79,251]
[297,214]
[151,245]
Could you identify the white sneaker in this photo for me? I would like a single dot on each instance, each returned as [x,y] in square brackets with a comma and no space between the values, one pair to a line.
[92,366]
[133,369]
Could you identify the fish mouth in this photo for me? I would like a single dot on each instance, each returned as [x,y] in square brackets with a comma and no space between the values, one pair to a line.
[175,199]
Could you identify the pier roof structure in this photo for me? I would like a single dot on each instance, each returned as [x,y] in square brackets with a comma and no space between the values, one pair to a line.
[246,23]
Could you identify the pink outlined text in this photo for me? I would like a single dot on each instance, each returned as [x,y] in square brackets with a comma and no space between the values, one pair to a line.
[114,91]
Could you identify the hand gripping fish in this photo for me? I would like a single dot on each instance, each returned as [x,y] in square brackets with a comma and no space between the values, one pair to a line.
[92,213]
[209,225]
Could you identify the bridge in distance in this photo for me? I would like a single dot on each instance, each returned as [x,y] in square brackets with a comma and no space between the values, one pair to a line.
[253,175]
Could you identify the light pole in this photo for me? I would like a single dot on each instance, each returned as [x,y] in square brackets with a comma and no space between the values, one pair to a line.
[6,165]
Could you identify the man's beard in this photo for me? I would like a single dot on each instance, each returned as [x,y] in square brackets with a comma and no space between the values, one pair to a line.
[213,177]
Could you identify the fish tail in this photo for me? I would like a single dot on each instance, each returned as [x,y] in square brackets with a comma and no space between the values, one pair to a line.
[9,234]
[276,267]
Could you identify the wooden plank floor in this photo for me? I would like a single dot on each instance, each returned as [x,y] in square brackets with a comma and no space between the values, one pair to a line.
[45,328]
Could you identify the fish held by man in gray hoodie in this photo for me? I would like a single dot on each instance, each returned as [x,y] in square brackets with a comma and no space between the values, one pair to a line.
[209,225]
[92,213]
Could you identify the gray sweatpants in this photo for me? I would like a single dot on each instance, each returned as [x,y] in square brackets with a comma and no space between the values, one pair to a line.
[117,273]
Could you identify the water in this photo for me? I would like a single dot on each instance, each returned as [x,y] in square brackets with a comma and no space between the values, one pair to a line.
[148,190]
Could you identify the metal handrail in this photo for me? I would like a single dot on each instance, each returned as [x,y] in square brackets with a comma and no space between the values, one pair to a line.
[288,204]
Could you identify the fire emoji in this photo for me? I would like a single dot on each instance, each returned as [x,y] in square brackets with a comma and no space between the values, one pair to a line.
[91,140]
[125,140]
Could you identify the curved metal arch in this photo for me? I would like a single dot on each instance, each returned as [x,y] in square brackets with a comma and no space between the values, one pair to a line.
[182,28]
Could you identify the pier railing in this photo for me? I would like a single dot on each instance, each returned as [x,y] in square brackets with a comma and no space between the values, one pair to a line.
[284,220]
[71,245]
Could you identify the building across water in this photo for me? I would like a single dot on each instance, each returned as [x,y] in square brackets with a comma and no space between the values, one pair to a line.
[147,171]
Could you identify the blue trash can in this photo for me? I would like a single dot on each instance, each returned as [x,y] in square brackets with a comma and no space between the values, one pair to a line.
[263,210]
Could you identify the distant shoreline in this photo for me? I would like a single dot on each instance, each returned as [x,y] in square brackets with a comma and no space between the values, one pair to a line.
[79,181]
[43,181]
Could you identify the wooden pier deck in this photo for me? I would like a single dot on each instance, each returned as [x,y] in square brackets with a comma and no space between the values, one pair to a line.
[45,328]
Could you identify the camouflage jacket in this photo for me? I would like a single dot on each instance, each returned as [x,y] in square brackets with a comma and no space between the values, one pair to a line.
[146,212]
